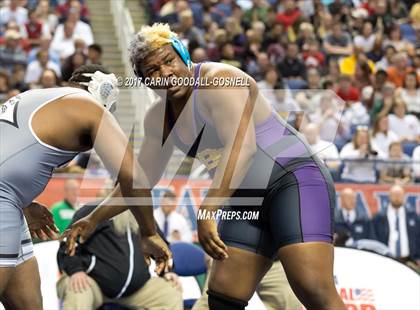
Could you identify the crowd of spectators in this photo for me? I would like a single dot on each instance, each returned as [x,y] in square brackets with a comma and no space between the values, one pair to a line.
[42,42]
[350,69]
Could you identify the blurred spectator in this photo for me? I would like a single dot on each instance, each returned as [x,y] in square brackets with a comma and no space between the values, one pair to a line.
[63,10]
[398,227]
[227,56]
[397,41]
[63,40]
[36,67]
[366,39]
[82,30]
[356,169]
[258,68]
[44,46]
[399,69]
[396,168]
[4,85]
[290,14]
[325,150]
[406,126]
[110,267]
[311,55]
[48,79]
[192,36]
[64,210]
[386,60]
[380,15]
[410,93]
[72,63]
[199,54]
[416,163]
[383,101]
[345,90]
[173,225]
[13,12]
[17,80]
[355,114]
[94,55]
[292,68]
[348,220]
[268,84]
[382,137]
[349,64]
[46,16]
[36,29]
[338,43]
[305,35]
[12,54]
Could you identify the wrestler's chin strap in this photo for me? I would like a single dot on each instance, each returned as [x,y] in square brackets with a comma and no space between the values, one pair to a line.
[104,88]
[218,301]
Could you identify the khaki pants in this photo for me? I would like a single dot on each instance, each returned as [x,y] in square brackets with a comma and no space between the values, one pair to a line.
[157,293]
[274,291]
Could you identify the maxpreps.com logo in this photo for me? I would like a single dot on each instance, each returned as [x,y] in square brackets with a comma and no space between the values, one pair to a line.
[356,298]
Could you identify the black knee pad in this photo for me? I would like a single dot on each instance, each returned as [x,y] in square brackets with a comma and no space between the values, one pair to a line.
[218,301]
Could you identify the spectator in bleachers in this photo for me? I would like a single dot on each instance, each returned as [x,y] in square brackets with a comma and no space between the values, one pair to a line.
[399,69]
[64,210]
[173,225]
[4,85]
[81,29]
[382,136]
[325,150]
[46,16]
[397,41]
[44,45]
[63,40]
[13,12]
[410,93]
[397,167]
[268,84]
[398,227]
[406,126]
[366,39]
[193,36]
[199,54]
[345,90]
[71,63]
[348,65]
[416,164]
[259,66]
[290,14]
[17,80]
[387,59]
[35,68]
[48,79]
[312,56]
[36,29]
[305,35]
[359,149]
[63,10]
[12,54]
[349,221]
[110,268]
[338,43]
[94,54]
[227,56]
[292,69]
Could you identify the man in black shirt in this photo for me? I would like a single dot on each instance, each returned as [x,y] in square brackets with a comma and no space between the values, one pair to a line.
[110,267]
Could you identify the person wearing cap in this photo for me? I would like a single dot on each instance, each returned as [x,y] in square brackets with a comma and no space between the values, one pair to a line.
[41,130]
[12,54]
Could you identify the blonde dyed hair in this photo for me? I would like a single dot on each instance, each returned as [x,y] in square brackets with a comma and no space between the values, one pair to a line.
[148,40]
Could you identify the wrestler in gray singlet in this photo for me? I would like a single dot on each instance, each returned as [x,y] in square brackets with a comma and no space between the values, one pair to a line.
[26,166]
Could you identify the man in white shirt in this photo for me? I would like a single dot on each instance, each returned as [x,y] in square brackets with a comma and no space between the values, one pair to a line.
[13,12]
[35,68]
[398,227]
[63,41]
[173,225]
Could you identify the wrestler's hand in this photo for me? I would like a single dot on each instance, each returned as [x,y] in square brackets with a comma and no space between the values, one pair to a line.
[78,232]
[40,221]
[210,240]
[154,247]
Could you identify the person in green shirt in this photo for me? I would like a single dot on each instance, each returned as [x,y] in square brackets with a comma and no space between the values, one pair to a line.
[64,210]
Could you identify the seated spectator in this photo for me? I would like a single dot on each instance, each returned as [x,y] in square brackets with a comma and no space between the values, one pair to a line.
[258,67]
[44,45]
[386,60]
[110,267]
[399,69]
[397,41]
[199,54]
[4,85]
[410,93]
[312,57]
[63,40]
[292,68]
[290,15]
[81,29]
[348,220]
[268,84]
[12,54]
[72,63]
[64,210]
[173,225]
[396,168]
[192,35]
[36,68]
[398,227]
[227,56]
[36,29]
[406,126]
[383,102]
[416,164]
[46,16]
[94,55]
[360,154]
[366,39]
[305,35]
[63,10]
[17,80]
[338,43]
[345,90]
[313,79]
[355,114]
[48,79]
[325,150]
[382,137]
[349,64]
[13,12]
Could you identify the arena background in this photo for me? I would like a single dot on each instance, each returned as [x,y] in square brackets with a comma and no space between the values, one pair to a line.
[371,66]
